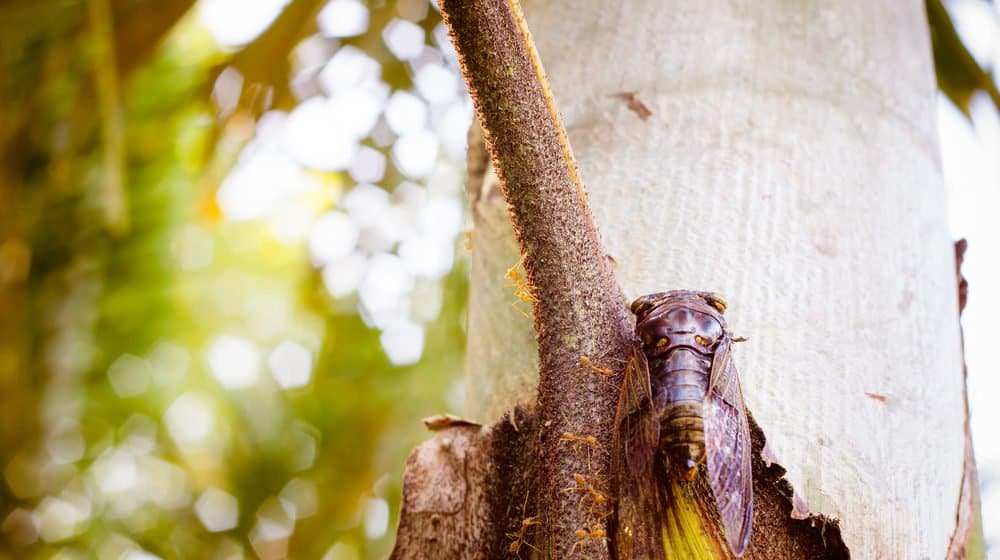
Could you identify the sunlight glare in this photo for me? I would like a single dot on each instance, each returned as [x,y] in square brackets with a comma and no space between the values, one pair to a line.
[343,276]
[301,494]
[427,256]
[416,153]
[129,375]
[453,128]
[333,236]
[168,362]
[443,43]
[65,442]
[315,138]
[441,217]
[349,68]
[368,165]
[234,361]
[60,518]
[355,111]
[386,281]
[164,483]
[191,418]
[262,178]
[291,364]
[979,26]
[376,518]
[290,222]
[236,22]
[217,510]
[365,204]
[404,39]
[343,18]
[436,83]
[115,471]
[403,342]
[406,113]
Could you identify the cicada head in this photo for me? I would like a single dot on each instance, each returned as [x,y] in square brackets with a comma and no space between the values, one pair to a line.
[679,318]
[644,304]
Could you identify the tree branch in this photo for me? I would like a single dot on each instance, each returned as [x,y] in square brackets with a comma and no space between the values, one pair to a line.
[578,307]
[114,196]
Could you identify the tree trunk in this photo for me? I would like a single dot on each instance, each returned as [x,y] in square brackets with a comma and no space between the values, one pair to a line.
[789,162]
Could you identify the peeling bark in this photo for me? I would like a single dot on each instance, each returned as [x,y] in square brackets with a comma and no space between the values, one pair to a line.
[465,491]
[445,508]
[967,540]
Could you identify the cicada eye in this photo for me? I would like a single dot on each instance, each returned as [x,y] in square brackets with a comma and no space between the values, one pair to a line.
[662,342]
[716,301]
[702,340]
[643,304]
[639,306]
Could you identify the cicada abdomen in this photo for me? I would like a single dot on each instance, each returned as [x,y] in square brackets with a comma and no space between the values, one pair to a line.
[689,407]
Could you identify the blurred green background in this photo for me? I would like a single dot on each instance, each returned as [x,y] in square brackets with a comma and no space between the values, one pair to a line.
[224,309]
[232,269]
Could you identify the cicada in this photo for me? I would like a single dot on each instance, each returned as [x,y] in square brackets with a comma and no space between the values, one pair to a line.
[681,406]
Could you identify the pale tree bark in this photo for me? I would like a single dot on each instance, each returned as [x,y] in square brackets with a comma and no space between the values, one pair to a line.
[790,162]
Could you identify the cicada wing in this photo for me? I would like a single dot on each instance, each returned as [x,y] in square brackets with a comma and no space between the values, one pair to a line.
[634,453]
[727,449]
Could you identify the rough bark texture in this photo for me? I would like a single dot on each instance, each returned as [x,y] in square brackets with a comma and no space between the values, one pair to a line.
[790,163]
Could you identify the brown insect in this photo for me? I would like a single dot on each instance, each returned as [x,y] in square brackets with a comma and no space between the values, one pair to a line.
[681,403]
[597,498]
[523,290]
[578,442]
[581,444]
[588,365]
[518,538]
[586,536]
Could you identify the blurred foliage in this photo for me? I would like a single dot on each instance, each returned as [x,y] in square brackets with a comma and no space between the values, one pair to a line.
[959,76]
[106,324]
[104,330]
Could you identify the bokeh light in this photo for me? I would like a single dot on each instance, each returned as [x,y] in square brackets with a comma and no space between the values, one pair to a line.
[217,510]
[291,364]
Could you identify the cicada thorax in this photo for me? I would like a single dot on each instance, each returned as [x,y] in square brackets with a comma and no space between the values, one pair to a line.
[679,338]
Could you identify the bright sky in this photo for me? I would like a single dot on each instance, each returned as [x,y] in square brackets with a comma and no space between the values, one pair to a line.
[971,162]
